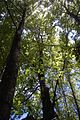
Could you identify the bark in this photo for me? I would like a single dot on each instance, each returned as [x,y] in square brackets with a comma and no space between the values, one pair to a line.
[8,83]
[45,96]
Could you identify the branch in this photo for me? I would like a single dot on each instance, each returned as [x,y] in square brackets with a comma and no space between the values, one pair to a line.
[71,14]
[54,98]
[19,11]
[32,93]
[6,4]
[73,93]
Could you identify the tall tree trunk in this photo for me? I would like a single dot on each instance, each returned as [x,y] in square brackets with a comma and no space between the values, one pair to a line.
[45,96]
[8,83]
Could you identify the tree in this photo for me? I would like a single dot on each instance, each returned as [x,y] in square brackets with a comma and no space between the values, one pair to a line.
[47,74]
[8,82]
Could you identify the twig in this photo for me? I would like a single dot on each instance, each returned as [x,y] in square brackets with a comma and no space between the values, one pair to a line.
[32,93]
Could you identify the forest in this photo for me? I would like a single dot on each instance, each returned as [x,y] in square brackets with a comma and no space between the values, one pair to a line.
[39,59]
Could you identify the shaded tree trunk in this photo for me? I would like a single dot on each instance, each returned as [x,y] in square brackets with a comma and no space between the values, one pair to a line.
[8,83]
[48,112]
[46,102]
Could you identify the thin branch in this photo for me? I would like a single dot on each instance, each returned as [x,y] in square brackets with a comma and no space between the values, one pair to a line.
[54,97]
[19,11]
[32,93]
[6,4]
[71,14]
[73,93]
[73,98]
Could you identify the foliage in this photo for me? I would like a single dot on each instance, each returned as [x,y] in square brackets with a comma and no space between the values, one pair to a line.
[47,27]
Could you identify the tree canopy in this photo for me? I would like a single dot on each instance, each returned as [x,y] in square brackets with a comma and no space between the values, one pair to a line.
[40,59]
